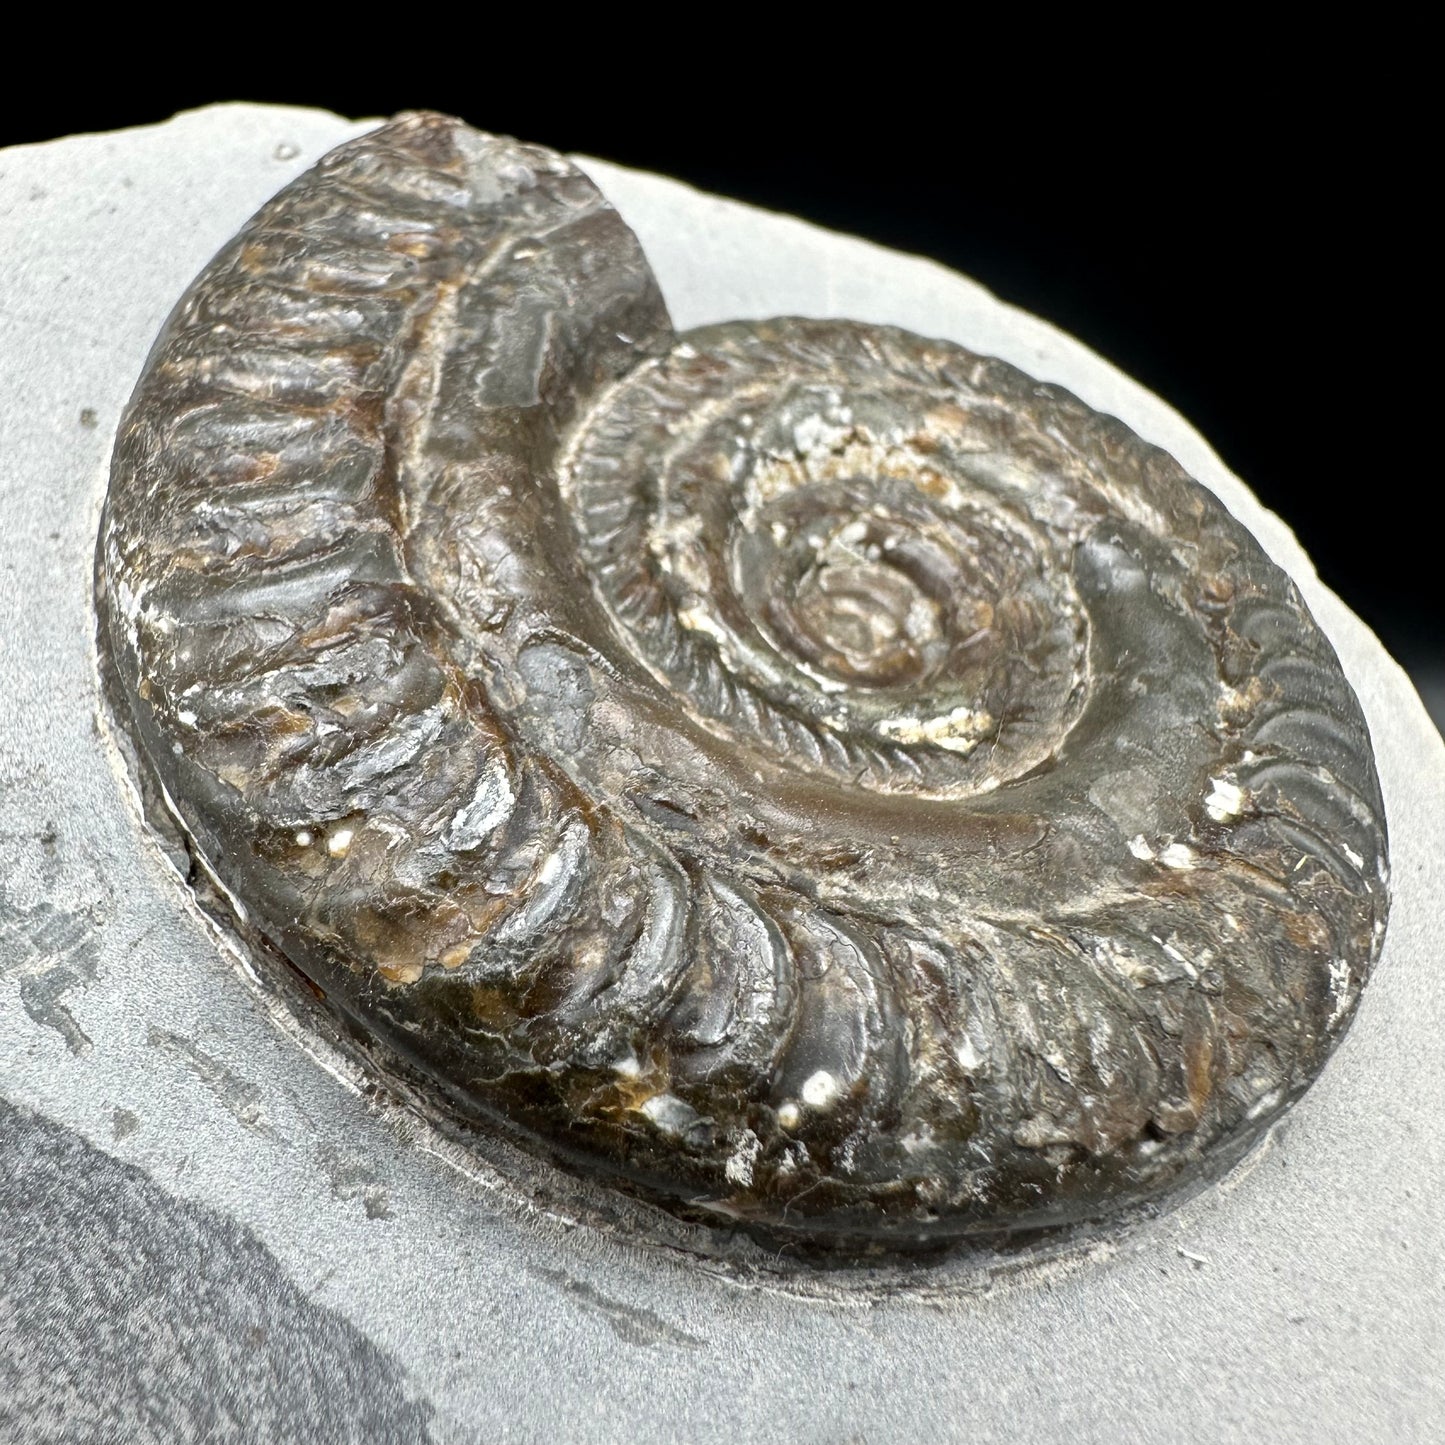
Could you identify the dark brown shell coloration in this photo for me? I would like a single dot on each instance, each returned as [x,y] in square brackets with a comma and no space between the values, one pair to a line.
[808,775]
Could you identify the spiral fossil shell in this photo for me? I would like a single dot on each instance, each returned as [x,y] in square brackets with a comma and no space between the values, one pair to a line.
[807,774]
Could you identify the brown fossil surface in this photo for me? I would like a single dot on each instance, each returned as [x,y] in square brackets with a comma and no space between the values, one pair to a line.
[809,775]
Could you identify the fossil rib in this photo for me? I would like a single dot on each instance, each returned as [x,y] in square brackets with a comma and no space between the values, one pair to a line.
[796,770]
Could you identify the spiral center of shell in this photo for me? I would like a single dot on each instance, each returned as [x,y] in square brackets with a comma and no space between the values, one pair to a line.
[859,618]
[830,549]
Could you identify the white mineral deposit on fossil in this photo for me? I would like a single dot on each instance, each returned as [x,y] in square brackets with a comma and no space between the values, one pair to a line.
[812,776]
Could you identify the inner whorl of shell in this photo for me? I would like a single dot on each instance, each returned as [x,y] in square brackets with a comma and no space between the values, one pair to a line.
[806,774]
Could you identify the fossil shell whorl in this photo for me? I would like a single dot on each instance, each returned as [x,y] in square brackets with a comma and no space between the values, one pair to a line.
[801,771]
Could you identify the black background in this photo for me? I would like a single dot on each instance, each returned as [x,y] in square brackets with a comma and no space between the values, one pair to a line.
[1244,235]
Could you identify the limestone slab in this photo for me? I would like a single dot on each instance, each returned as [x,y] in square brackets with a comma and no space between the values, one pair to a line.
[161,1122]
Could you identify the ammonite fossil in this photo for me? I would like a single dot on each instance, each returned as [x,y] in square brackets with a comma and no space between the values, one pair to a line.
[808,775]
